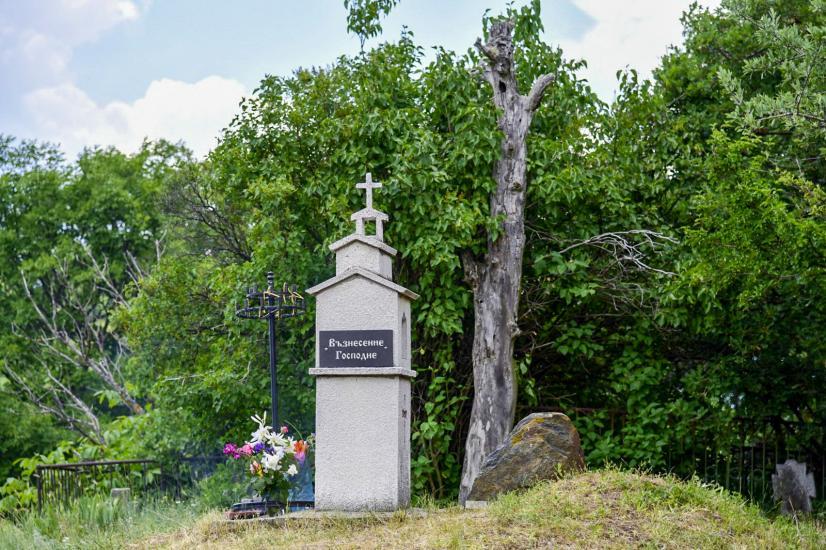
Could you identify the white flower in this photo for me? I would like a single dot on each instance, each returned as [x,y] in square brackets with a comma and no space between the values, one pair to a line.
[276,440]
[263,432]
[260,420]
[271,462]
[292,470]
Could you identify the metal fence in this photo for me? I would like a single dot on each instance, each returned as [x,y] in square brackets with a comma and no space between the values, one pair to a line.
[179,477]
[60,484]
[747,466]
[744,465]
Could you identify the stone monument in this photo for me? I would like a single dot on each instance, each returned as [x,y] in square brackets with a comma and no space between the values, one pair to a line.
[363,374]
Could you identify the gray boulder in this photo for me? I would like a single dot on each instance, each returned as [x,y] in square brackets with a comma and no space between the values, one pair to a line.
[541,446]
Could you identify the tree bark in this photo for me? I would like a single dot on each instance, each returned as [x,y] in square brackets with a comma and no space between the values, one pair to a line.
[495,279]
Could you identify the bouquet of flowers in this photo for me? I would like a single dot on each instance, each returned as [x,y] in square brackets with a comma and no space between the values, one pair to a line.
[273,457]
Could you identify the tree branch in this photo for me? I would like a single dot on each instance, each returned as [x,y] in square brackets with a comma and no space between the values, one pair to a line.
[82,338]
[87,425]
[625,250]
[538,91]
[471,267]
[485,50]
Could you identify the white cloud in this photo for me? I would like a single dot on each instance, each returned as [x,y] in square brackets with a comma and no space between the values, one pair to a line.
[72,22]
[170,109]
[633,34]
[37,37]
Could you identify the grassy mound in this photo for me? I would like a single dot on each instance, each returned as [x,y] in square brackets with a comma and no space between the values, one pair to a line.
[602,509]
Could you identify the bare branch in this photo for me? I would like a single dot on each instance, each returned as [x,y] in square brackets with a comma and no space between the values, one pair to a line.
[538,91]
[625,250]
[59,401]
[104,281]
[194,204]
[80,336]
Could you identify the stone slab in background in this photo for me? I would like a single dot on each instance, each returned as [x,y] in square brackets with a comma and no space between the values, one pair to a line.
[122,494]
[793,488]
[542,446]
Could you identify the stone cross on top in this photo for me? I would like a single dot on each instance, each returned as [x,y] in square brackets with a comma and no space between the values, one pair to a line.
[368,213]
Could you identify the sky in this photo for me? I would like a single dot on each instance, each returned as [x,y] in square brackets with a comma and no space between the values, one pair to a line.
[84,73]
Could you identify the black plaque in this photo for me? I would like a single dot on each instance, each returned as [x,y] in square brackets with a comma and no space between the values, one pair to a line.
[355,348]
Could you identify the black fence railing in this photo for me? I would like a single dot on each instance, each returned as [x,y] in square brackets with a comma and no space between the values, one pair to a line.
[60,484]
[744,464]
[747,466]
[179,477]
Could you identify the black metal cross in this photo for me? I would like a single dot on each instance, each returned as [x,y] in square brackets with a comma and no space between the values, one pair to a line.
[272,305]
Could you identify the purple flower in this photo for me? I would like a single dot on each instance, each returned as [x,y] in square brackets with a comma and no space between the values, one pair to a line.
[258,447]
[231,449]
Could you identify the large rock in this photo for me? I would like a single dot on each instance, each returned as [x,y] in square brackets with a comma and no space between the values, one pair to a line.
[541,446]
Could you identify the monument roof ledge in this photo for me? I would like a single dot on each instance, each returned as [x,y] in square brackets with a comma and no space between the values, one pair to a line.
[369,213]
[366,239]
[352,272]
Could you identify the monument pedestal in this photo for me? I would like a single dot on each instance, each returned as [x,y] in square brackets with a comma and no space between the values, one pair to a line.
[362,439]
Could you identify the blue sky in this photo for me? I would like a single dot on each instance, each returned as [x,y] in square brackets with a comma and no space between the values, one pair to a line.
[111,72]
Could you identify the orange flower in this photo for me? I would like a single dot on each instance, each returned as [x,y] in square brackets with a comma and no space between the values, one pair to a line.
[300,449]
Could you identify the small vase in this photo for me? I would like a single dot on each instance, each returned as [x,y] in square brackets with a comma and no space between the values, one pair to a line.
[276,500]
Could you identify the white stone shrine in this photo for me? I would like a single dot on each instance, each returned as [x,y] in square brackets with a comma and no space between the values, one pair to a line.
[362,370]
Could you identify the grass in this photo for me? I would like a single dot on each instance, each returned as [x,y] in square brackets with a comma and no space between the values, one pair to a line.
[600,509]
[95,522]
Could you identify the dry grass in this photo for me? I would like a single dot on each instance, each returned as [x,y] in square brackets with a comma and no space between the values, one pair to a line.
[605,509]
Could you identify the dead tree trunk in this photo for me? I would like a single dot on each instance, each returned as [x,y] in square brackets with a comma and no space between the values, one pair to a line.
[495,279]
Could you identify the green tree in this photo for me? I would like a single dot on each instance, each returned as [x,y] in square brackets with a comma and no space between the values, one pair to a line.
[751,289]
[731,181]
[73,238]
[364,17]
[754,288]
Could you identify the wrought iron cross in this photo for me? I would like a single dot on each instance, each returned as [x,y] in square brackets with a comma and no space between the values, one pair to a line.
[272,304]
